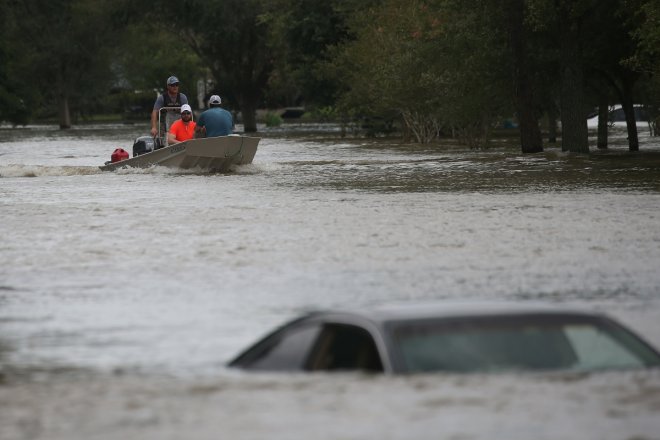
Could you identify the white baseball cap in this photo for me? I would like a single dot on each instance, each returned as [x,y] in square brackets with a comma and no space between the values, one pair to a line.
[186,108]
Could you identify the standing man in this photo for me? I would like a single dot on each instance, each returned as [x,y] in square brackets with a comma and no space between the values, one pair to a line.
[182,129]
[215,121]
[171,98]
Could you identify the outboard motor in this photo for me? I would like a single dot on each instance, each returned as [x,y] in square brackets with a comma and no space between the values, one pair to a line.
[143,144]
[118,154]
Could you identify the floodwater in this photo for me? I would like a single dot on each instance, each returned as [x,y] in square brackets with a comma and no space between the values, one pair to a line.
[122,295]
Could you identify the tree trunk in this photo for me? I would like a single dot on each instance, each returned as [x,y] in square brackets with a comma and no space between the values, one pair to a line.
[406,133]
[575,137]
[531,140]
[552,124]
[530,133]
[629,111]
[249,110]
[603,122]
[64,113]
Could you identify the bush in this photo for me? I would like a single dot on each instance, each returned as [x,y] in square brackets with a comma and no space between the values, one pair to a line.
[272,119]
[321,114]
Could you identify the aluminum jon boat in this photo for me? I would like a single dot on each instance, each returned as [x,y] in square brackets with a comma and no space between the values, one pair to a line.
[216,154]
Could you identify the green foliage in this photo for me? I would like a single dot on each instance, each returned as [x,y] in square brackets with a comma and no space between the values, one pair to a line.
[646,33]
[309,31]
[65,47]
[13,108]
[231,39]
[154,55]
[434,63]
[435,66]
[321,114]
[272,119]
[645,25]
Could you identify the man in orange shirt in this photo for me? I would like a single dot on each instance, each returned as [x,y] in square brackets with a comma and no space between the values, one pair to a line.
[182,129]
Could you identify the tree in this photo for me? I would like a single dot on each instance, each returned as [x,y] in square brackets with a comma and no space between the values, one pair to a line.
[571,15]
[231,39]
[435,64]
[592,40]
[65,48]
[160,54]
[607,68]
[645,32]
[310,30]
[523,94]
[13,106]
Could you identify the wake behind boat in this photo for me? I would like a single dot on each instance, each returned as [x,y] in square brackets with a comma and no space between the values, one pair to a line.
[216,154]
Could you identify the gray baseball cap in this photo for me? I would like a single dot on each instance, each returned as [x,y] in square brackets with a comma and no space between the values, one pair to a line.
[172,80]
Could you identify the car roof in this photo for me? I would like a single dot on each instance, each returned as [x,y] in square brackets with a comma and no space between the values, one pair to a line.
[450,309]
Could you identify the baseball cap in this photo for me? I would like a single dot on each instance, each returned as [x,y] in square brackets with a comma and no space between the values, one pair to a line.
[215,99]
[172,80]
[186,108]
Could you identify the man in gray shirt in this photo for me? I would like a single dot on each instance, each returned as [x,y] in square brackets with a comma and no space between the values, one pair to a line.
[171,98]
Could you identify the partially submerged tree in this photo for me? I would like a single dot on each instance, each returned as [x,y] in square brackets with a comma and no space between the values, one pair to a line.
[65,50]
[231,37]
[592,40]
[570,16]
[522,77]
[645,32]
[607,68]
[309,31]
[434,63]
[160,54]
[13,96]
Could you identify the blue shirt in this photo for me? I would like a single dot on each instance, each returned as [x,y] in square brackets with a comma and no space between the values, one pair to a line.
[218,122]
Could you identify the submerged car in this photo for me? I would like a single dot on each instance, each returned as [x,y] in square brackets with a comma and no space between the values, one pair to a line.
[457,338]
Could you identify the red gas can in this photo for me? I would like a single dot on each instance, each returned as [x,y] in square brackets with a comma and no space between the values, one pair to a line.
[118,154]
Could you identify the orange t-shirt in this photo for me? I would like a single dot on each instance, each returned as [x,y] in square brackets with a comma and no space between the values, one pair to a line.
[181,131]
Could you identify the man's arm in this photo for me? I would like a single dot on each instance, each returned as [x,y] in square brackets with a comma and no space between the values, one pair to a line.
[200,128]
[154,122]
[200,131]
[172,133]
[154,115]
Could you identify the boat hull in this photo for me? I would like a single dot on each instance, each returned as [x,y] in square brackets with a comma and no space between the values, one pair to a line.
[215,154]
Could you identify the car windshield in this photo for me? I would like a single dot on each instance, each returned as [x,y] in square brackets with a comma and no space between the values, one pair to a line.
[543,342]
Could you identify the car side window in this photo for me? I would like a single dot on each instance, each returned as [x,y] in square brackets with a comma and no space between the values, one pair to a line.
[345,347]
[284,351]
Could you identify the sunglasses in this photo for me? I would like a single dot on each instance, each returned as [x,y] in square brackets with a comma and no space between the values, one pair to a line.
[185,113]
[174,85]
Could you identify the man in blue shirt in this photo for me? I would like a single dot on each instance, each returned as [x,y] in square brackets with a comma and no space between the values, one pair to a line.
[215,121]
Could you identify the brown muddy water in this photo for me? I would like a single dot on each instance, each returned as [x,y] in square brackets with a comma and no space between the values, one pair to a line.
[122,295]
